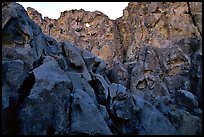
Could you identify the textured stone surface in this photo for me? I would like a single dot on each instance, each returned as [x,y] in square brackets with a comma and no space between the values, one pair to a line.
[151,120]
[13,78]
[143,74]
[186,98]
[93,31]
[169,29]
[86,118]
[155,23]
[185,123]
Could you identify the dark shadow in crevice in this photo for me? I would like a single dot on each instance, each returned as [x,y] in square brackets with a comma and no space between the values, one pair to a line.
[98,89]
[121,126]
[11,123]
[50,131]
[39,61]
[73,68]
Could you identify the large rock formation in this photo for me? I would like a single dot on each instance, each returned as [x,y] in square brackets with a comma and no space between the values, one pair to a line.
[140,74]
[93,31]
[172,31]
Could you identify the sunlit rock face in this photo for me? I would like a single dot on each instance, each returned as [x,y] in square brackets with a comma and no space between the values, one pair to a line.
[158,24]
[93,31]
[172,27]
[84,74]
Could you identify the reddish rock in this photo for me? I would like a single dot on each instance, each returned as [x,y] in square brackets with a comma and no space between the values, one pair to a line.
[156,24]
[93,31]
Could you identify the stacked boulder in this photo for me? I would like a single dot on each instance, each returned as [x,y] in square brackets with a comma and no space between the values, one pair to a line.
[54,87]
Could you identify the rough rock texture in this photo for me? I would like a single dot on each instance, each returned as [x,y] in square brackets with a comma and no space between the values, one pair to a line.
[186,99]
[140,74]
[171,31]
[93,31]
[47,101]
[158,24]
[85,114]
[152,121]
[196,11]
[185,123]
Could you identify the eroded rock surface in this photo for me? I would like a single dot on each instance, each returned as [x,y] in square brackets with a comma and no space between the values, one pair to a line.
[93,31]
[140,74]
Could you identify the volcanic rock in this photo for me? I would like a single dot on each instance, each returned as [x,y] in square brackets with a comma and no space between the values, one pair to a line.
[139,74]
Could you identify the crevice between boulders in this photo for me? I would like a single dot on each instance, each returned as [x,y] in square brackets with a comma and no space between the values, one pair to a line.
[38,62]
[11,113]
[70,111]
[26,87]
[192,16]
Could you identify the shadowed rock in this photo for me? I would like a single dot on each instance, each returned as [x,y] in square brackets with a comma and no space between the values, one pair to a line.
[142,76]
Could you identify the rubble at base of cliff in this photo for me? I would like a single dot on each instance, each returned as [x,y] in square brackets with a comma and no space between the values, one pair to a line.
[84,74]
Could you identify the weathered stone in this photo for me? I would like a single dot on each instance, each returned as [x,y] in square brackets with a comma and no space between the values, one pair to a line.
[93,31]
[35,15]
[62,62]
[104,112]
[122,106]
[52,47]
[151,120]
[23,35]
[119,74]
[196,10]
[46,114]
[85,114]
[163,104]
[73,55]
[154,50]
[13,74]
[50,94]
[46,81]
[185,123]
[185,98]
[197,112]
[163,24]
[89,58]
[75,79]
[89,90]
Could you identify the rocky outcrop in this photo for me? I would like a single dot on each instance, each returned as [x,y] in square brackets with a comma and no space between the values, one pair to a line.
[170,30]
[93,31]
[158,24]
[195,9]
[59,87]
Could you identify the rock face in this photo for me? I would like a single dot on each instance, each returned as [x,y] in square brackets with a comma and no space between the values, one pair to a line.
[168,32]
[157,24]
[93,31]
[86,74]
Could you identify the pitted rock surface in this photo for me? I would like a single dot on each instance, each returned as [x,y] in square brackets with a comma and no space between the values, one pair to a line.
[85,74]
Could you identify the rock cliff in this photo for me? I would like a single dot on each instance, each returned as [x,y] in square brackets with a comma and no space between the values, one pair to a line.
[84,74]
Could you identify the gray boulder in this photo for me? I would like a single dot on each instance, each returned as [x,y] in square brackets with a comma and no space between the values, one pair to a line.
[14,74]
[185,98]
[46,109]
[152,122]
[185,123]
[48,75]
[85,117]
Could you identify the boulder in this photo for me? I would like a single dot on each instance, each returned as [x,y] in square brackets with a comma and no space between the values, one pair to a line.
[14,74]
[119,74]
[185,123]
[185,98]
[152,122]
[46,114]
[163,104]
[85,117]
